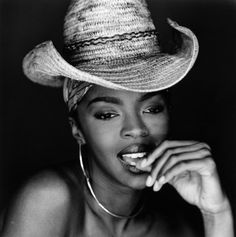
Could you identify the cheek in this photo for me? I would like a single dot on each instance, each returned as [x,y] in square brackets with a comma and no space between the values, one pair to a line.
[101,138]
[159,127]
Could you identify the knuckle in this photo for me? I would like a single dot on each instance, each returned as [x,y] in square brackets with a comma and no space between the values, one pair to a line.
[208,147]
[204,151]
[174,158]
[166,143]
[205,145]
[176,150]
[168,152]
[210,163]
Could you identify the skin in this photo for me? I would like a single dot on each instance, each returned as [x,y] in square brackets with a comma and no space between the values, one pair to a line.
[107,122]
[128,121]
[186,165]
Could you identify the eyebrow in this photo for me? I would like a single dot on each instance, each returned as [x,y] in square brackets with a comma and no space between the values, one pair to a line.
[147,96]
[106,99]
[117,101]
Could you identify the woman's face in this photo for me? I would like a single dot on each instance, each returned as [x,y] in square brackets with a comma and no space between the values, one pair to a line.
[121,128]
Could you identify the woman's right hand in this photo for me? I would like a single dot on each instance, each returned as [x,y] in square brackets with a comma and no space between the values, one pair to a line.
[189,167]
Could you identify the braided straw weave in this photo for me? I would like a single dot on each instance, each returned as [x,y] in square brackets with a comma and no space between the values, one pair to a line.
[112,43]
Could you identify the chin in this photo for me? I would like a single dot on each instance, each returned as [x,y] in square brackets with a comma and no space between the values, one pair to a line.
[137,181]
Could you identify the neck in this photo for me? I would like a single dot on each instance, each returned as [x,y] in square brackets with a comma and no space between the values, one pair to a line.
[116,215]
[109,198]
[126,204]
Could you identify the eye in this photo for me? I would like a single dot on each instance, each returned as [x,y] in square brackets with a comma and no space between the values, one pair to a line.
[154,109]
[105,115]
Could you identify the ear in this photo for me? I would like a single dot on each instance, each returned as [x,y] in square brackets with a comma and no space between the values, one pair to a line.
[76,132]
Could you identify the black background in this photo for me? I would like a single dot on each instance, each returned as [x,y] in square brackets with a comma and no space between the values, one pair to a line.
[33,122]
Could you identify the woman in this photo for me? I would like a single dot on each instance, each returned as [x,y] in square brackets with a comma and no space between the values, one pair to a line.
[115,84]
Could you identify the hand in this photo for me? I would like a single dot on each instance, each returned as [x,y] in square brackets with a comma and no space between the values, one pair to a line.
[188,166]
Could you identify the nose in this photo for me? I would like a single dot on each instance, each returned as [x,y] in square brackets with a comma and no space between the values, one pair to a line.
[134,127]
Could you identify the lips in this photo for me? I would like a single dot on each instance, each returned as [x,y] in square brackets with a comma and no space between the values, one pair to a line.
[133,158]
[132,154]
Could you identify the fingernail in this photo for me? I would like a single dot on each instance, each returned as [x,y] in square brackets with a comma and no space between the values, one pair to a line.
[156,186]
[132,163]
[149,181]
[143,163]
[162,179]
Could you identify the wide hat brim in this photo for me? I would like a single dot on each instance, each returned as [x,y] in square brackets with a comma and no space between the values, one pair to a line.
[46,66]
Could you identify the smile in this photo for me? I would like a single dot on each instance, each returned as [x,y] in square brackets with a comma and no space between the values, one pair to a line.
[134,155]
[130,160]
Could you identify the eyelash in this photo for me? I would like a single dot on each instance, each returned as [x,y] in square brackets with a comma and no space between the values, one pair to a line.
[155,109]
[105,115]
[109,115]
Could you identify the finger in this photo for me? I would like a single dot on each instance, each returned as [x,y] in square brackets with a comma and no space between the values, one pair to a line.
[152,177]
[205,167]
[174,155]
[146,169]
[160,150]
[178,157]
[158,184]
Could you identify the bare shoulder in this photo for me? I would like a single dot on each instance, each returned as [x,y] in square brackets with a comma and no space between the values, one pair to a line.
[40,208]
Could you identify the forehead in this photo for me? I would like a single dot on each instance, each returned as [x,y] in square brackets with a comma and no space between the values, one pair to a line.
[99,91]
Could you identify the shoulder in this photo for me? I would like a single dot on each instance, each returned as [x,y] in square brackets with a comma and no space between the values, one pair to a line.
[40,207]
[44,183]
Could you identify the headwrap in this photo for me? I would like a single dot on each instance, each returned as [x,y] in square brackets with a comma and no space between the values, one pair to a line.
[74,91]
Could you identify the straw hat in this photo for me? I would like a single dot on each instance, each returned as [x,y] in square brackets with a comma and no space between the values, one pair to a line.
[112,43]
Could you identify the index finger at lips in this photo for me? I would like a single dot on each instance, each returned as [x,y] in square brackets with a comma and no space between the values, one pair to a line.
[146,168]
[161,149]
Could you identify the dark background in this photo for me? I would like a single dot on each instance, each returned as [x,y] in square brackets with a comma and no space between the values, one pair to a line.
[33,122]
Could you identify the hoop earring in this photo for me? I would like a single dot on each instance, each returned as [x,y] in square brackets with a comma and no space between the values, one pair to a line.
[94,195]
[81,161]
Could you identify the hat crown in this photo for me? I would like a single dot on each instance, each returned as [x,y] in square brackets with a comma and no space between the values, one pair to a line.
[114,29]
[87,19]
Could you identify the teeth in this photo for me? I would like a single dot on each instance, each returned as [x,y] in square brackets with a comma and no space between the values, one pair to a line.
[135,155]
